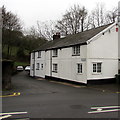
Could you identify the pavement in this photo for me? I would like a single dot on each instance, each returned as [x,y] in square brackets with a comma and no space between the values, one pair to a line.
[109,87]
[112,87]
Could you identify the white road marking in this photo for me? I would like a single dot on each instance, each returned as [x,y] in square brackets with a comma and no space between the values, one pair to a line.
[113,110]
[13,113]
[6,116]
[106,107]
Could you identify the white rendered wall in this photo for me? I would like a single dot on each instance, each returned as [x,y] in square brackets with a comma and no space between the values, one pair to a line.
[109,69]
[67,64]
[41,60]
[105,50]
[48,63]
[31,65]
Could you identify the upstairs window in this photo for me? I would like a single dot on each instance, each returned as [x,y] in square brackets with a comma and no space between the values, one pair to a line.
[76,50]
[39,54]
[55,68]
[55,52]
[97,67]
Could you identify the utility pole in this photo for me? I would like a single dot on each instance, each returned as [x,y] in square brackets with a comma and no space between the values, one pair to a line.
[1,22]
[119,35]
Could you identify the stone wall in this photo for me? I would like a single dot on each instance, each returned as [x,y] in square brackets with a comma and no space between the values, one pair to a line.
[7,68]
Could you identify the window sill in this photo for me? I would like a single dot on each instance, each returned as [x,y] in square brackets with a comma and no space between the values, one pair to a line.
[79,73]
[37,69]
[96,73]
[54,56]
[55,71]
[76,55]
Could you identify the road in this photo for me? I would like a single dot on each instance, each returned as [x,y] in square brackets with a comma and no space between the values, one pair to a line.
[47,99]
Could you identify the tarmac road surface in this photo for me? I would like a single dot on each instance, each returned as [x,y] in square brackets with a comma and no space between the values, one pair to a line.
[41,98]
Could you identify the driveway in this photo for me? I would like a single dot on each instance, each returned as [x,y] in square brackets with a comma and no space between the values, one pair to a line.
[50,99]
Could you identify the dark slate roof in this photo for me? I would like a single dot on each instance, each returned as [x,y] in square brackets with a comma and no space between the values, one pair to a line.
[71,40]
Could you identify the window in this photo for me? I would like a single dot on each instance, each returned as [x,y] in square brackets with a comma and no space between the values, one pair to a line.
[76,50]
[97,67]
[79,68]
[55,52]
[33,55]
[41,66]
[55,68]
[37,66]
[39,54]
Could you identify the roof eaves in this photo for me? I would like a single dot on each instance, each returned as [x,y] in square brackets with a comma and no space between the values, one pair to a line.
[84,43]
[100,33]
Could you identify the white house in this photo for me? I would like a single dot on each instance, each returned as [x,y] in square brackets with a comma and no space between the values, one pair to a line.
[83,57]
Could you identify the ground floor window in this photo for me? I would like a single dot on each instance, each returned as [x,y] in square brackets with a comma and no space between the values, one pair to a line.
[79,68]
[37,66]
[41,66]
[55,68]
[97,67]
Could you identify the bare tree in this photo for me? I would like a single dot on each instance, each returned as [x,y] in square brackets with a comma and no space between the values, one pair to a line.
[11,23]
[72,21]
[111,15]
[98,15]
[46,29]
[10,20]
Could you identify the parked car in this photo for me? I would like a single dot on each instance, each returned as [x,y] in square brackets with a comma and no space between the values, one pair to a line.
[20,68]
[27,68]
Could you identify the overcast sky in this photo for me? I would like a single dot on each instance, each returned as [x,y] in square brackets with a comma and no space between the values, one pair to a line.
[31,11]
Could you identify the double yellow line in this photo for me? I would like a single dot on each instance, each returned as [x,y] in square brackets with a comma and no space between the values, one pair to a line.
[12,95]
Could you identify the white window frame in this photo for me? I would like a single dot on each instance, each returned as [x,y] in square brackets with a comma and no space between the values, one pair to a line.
[39,54]
[97,69]
[76,50]
[79,68]
[55,68]
[37,66]
[55,53]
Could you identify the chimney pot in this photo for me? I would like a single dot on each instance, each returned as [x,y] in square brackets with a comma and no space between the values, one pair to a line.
[57,36]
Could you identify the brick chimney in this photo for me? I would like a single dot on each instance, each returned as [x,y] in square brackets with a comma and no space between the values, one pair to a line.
[57,36]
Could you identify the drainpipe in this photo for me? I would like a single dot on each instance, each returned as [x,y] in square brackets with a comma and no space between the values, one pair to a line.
[34,65]
[51,63]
